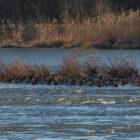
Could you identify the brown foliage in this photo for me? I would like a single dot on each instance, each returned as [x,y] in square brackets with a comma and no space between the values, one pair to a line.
[71,66]
[114,29]
[122,68]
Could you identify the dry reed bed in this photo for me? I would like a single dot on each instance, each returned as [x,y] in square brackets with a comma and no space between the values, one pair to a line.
[111,30]
[74,72]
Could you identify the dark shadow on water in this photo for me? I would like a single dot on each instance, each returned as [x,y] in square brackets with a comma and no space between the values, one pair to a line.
[57,44]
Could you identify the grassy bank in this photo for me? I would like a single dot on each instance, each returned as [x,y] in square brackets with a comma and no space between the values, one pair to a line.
[118,71]
[109,30]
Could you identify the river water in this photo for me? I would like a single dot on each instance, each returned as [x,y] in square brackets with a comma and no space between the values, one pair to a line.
[64,112]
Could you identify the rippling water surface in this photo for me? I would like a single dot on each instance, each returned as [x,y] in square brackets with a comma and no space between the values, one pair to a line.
[62,112]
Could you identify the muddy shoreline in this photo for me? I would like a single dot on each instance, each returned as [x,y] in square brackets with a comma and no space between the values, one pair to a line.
[93,46]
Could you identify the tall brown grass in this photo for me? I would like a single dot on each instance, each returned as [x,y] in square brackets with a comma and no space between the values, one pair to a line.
[72,70]
[113,28]
[71,66]
[90,66]
[23,70]
[120,67]
[121,28]
[40,71]
[17,69]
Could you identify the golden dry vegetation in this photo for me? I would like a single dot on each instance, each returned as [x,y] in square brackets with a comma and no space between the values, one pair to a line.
[105,30]
[72,71]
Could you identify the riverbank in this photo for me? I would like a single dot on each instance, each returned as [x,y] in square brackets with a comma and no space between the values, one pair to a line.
[107,31]
[119,71]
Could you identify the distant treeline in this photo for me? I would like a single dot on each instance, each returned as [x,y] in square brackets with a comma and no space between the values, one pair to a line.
[23,10]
